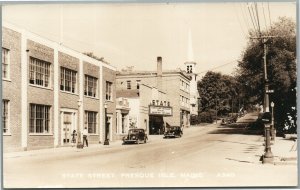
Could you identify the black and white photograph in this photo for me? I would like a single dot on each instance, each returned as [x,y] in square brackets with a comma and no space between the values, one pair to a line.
[163,94]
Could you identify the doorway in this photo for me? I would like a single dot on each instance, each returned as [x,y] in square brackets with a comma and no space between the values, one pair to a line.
[68,125]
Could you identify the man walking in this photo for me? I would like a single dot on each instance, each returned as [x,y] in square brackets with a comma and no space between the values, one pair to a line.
[85,136]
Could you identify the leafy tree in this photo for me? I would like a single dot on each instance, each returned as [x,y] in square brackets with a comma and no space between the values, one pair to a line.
[217,92]
[281,70]
[91,54]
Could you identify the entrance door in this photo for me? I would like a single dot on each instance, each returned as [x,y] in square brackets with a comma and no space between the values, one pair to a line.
[67,127]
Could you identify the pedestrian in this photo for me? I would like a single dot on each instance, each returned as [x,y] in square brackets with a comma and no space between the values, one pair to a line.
[74,134]
[85,137]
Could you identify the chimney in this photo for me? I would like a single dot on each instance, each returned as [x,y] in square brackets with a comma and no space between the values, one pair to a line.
[159,66]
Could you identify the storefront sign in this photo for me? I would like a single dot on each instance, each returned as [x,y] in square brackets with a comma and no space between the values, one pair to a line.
[160,103]
[160,110]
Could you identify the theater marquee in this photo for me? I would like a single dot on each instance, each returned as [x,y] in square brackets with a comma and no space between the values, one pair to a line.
[160,110]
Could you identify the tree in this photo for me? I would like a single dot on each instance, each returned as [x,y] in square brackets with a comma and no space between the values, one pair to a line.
[218,92]
[281,70]
[91,54]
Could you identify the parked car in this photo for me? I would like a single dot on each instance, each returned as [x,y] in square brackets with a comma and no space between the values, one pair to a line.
[135,136]
[173,131]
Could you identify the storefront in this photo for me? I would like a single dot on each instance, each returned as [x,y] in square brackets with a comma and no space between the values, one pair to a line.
[157,111]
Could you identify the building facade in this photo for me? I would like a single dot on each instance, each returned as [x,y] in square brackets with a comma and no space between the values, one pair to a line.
[50,90]
[168,89]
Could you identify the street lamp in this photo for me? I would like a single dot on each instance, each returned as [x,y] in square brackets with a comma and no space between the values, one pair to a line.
[273,131]
[268,156]
[106,142]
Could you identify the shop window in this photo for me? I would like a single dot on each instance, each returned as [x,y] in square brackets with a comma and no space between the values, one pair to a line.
[39,72]
[39,118]
[91,121]
[67,80]
[5,63]
[90,88]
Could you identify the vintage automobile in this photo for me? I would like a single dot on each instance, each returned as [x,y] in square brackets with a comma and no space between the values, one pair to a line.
[173,131]
[135,136]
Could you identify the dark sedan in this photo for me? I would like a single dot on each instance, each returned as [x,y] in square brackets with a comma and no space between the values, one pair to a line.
[135,136]
[173,131]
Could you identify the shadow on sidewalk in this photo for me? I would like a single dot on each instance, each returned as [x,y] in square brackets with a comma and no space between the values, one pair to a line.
[237,128]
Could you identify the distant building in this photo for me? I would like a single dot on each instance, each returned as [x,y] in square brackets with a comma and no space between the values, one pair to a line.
[50,90]
[191,71]
[156,99]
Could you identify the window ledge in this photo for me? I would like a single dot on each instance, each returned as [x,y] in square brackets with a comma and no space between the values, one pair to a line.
[7,134]
[93,134]
[6,79]
[91,97]
[109,101]
[76,94]
[40,134]
[46,88]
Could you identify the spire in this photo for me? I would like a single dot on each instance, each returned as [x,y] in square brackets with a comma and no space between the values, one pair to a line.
[190,52]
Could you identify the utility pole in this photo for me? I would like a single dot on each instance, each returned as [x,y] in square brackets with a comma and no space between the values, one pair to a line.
[265,39]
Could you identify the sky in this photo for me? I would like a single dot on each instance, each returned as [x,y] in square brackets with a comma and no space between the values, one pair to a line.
[129,34]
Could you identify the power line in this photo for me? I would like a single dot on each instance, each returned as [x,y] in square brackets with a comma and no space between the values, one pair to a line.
[269,14]
[257,19]
[262,4]
[214,68]
[245,36]
[251,17]
[245,18]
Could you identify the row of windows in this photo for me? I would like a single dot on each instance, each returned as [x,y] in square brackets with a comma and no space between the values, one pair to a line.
[184,85]
[184,101]
[39,119]
[39,74]
[128,83]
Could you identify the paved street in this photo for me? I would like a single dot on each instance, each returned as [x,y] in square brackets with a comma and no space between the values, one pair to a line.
[209,155]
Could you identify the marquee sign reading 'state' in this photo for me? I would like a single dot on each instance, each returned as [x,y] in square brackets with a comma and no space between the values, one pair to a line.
[160,108]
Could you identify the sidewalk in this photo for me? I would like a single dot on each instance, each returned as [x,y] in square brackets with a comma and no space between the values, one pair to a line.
[68,149]
[284,150]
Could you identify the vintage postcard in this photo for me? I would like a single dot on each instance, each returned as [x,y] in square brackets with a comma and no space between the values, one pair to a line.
[162,94]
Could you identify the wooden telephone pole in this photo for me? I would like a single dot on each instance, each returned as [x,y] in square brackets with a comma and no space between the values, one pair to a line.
[265,39]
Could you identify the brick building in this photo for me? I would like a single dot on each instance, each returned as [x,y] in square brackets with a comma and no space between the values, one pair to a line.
[50,90]
[169,89]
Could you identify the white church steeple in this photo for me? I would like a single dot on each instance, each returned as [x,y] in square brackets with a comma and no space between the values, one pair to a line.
[190,64]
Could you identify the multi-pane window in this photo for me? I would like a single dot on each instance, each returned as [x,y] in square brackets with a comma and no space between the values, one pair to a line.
[5,115]
[108,90]
[39,118]
[128,84]
[138,82]
[90,88]
[91,121]
[67,80]
[5,63]
[39,72]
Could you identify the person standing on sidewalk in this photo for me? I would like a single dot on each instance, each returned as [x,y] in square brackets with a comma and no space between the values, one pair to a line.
[85,136]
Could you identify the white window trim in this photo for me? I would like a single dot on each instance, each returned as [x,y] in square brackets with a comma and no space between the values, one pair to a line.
[86,122]
[50,133]
[8,67]
[86,87]
[49,79]
[8,119]
[76,81]
[111,91]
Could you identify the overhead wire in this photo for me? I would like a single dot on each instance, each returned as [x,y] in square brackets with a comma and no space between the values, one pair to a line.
[269,15]
[244,15]
[237,15]
[251,18]
[262,4]
[258,24]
